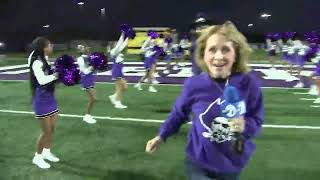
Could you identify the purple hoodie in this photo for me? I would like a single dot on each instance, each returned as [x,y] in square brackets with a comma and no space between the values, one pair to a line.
[209,141]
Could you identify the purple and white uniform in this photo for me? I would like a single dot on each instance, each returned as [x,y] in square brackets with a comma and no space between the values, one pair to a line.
[117,58]
[209,142]
[184,44]
[167,47]
[301,56]
[293,51]
[271,48]
[88,78]
[44,103]
[117,67]
[284,50]
[150,57]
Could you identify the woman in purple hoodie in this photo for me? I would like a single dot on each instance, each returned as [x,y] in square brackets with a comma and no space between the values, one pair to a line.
[222,53]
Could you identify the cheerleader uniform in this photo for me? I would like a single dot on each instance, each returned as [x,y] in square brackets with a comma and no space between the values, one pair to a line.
[44,103]
[117,67]
[88,78]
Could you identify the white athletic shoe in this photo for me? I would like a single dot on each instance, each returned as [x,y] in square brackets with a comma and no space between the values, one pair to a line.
[155,81]
[89,119]
[152,89]
[313,90]
[46,153]
[113,98]
[176,67]
[317,101]
[138,86]
[119,105]
[299,85]
[40,162]
[166,72]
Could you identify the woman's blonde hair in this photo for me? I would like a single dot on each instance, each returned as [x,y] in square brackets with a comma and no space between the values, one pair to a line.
[231,33]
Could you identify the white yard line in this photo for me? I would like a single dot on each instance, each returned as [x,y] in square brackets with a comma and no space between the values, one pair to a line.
[308,99]
[154,120]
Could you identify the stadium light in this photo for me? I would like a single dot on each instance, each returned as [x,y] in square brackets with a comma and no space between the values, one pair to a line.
[265,15]
[2,44]
[80,3]
[250,25]
[103,12]
[46,26]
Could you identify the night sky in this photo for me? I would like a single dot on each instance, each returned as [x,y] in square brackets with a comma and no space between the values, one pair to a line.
[21,21]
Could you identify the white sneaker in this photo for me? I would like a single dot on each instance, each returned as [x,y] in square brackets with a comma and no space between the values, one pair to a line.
[152,89]
[119,105]
[154,81]
[138,86]
[175,67]
[166,72]
[313,90]
[317,101]
[299,85]
[89,119]
[40,162]
[113,98]
[49,156]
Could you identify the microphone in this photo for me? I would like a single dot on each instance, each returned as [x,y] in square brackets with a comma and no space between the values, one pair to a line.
[234,107]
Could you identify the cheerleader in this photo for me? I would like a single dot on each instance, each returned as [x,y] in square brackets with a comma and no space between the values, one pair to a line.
[117,74]
[178,52]
[316,78]
[44,103]
[271,49]
[314,89]
[185,45]
[87,81]
[167,47]
[284,48]
[149,64]
[300,61]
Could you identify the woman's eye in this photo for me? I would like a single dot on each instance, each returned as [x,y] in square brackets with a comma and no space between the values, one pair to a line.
[225,49]
[213,49]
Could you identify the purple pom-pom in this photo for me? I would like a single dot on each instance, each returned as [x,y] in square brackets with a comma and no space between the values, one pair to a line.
[277,36]
[269,35]
[131,34]
[98,61]
[124,28]
[128,31]
[289,35]
[311,37]
[67,69]
[168,40]
[312,51]
[159,50]
[153,34]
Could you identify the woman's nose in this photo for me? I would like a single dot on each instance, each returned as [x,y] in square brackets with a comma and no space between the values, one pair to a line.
[218,55]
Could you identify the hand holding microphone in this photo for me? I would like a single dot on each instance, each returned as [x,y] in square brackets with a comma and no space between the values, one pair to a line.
[233,109]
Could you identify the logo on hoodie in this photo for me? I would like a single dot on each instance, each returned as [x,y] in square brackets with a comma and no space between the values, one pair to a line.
[216,127]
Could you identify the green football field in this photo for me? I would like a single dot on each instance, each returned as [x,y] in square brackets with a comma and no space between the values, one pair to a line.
[113,148]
